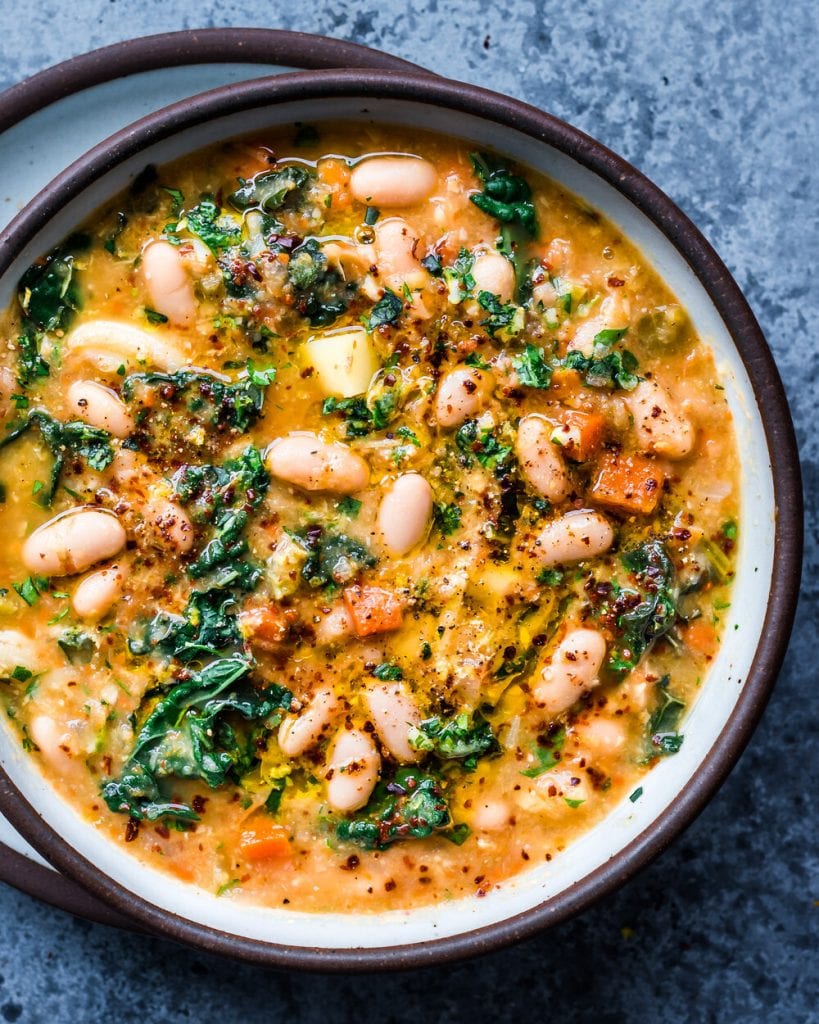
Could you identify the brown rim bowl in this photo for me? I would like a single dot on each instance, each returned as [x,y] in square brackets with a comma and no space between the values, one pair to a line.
[769,559]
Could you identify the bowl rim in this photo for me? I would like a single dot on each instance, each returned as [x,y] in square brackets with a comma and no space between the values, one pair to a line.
[773,410]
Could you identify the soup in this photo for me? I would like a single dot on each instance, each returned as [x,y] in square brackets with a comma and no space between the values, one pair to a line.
[369,519]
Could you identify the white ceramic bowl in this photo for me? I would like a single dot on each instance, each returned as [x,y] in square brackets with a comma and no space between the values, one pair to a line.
[769,556]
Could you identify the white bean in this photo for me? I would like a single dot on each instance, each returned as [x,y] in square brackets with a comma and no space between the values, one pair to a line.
[168,524]
[96,593]
[461,394]
[110,344]
[16,649]
[603,735]
[73,541]
[306,461]
[491,815]
[100,406]
[334,627]
[494,273]
[393,180]
[612,316]
[574,537]
[52,739]
[540,459]
[393,712]
[352,770]
[660,426]
[573,669]
[8,386]
[298,733]
[169,287]
[395,246]
[404,513]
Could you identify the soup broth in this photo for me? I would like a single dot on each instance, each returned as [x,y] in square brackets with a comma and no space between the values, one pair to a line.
[369,516]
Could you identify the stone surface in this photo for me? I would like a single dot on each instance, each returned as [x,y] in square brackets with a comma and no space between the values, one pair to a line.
[716,101]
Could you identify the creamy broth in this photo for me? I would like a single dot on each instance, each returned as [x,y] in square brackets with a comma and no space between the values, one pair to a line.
[369,518]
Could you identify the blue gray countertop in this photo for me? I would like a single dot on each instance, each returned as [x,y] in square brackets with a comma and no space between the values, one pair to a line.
[717,102]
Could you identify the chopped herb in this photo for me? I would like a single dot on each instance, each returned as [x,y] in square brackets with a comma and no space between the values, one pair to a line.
[349,507]
[547,754]
[153,317]
[446,517]
[508,319]
[371,216]
[635,796]
[730,530]
[31,588]
[218,232]
[388,671]
[532,369]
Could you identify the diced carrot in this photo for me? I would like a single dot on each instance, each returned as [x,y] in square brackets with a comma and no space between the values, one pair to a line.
[700,635]
[264,840]
[265,626]
[373,609]
[335,174]
[180,870]
[565,382]
[579,434]
[628,483]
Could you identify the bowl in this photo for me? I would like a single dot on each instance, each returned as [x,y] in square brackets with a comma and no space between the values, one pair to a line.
[768,567]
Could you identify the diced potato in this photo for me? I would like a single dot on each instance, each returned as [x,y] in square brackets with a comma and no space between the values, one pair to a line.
[344,361]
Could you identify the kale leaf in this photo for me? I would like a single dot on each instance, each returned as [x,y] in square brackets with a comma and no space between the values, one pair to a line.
[332,558]
[661,734]
[207,626]
[75,439]
[216,231]
[455,739]
[506,196]
[386,311]
[320,292]
[208,400]
[654,613]
[411,806]
[224,496]
[271,190]
[188,735]
[49,296]
[221,497]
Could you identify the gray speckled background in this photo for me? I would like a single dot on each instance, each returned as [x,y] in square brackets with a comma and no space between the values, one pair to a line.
[717,102]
